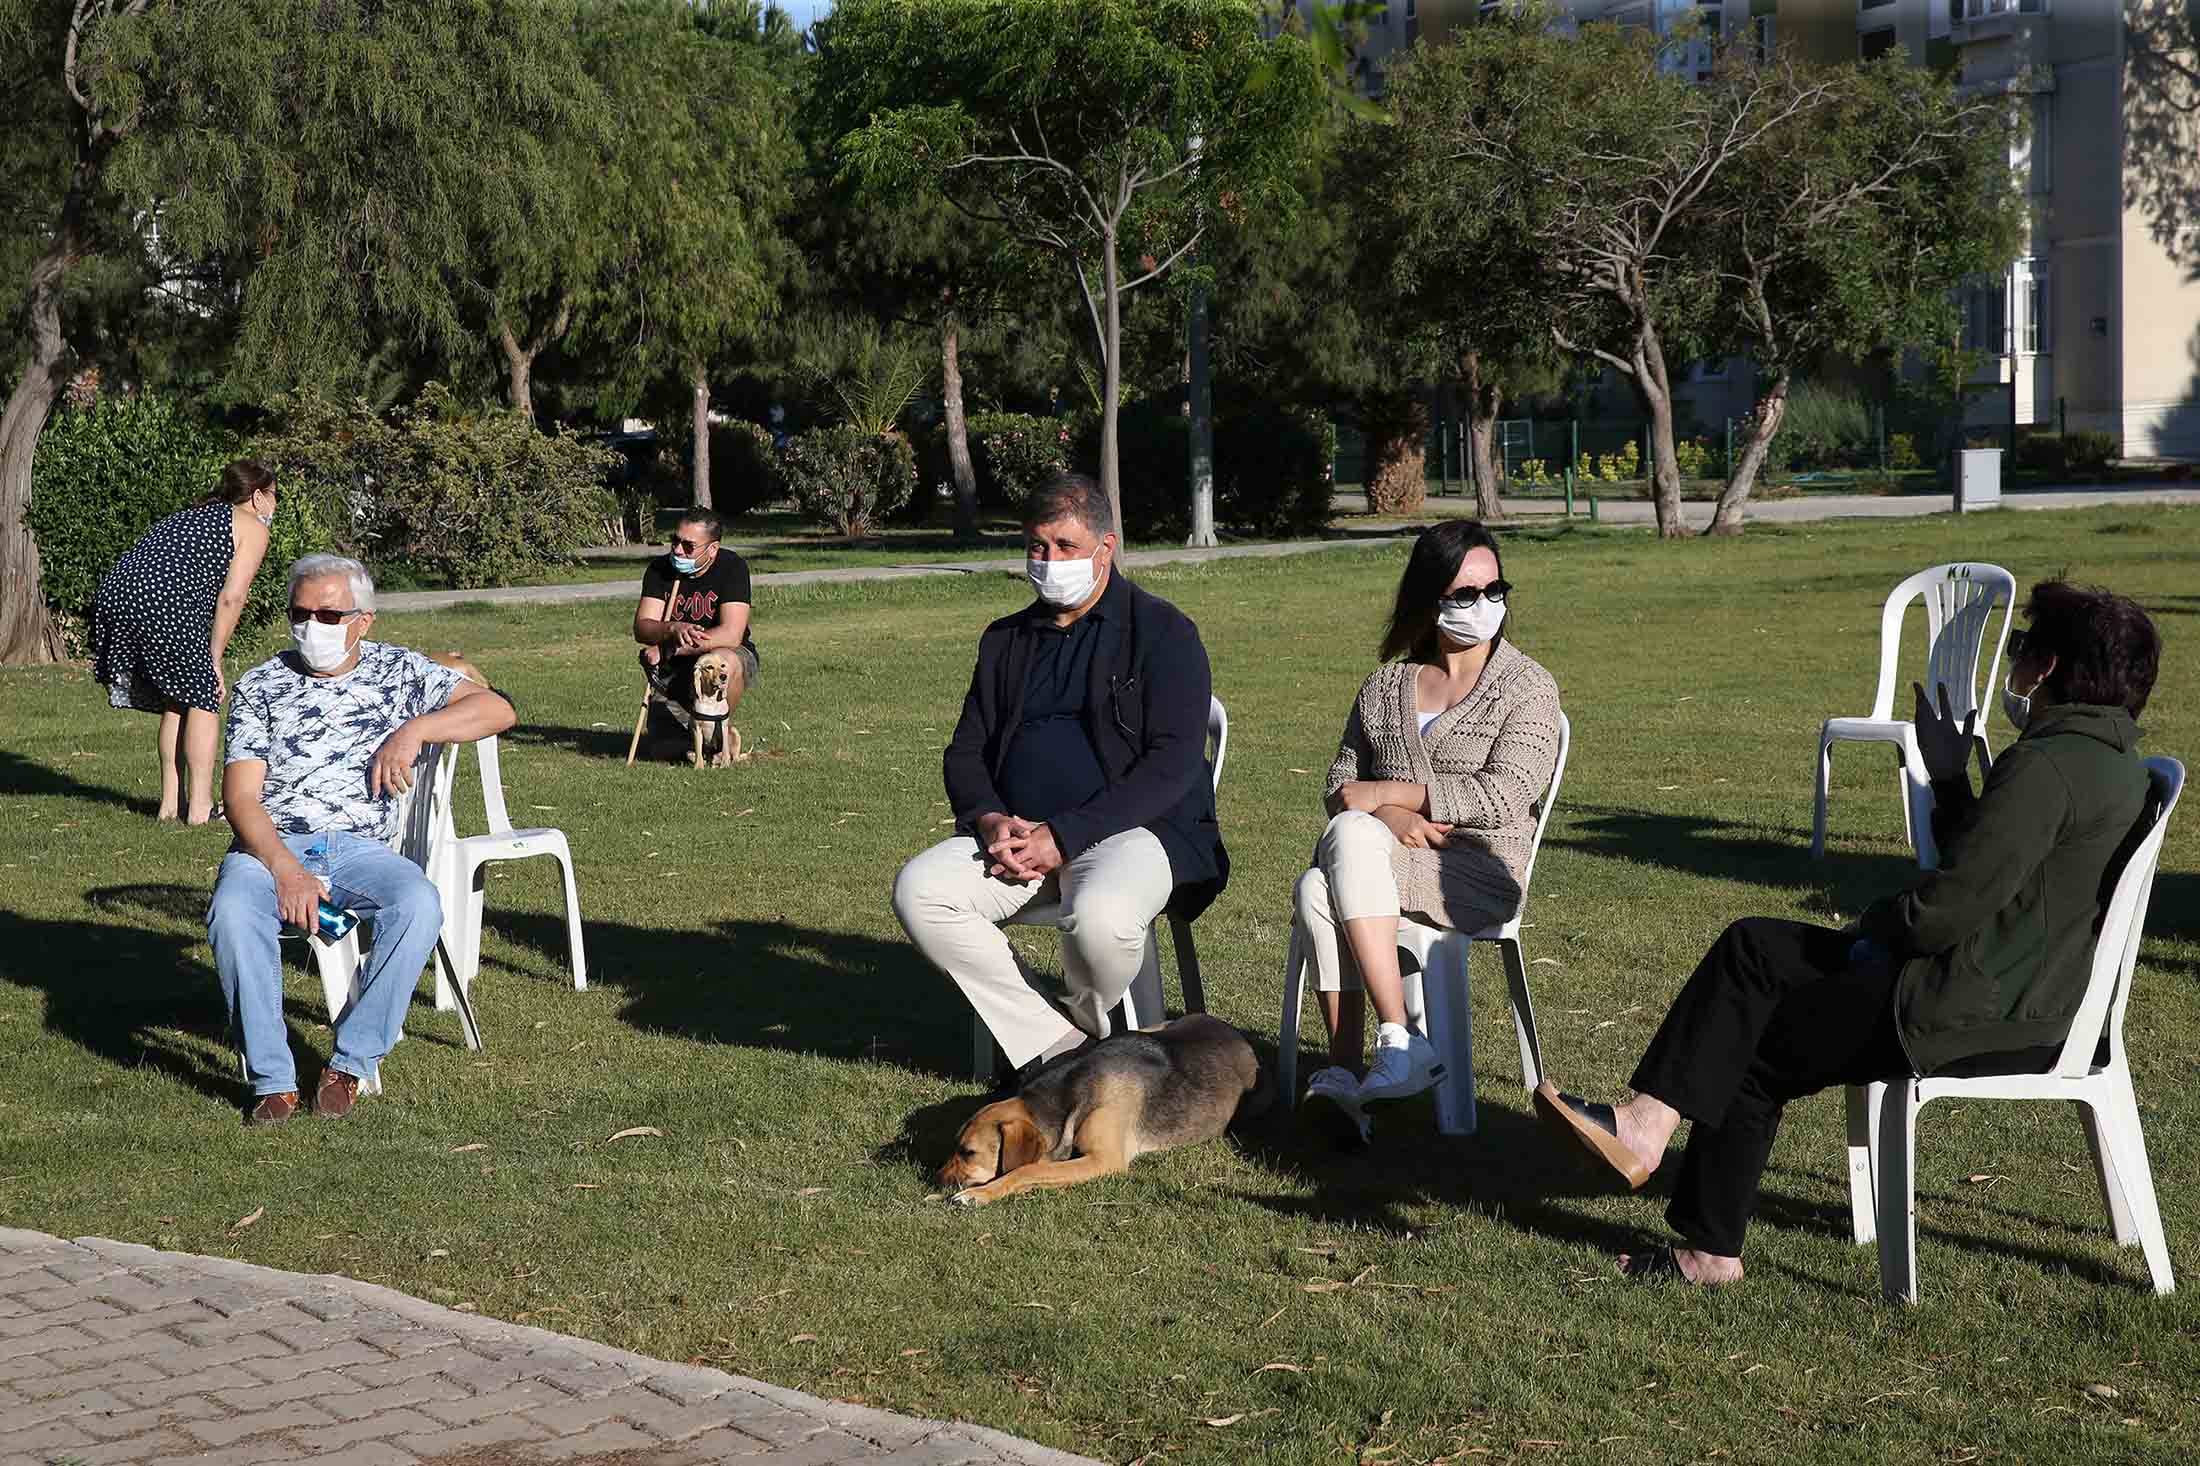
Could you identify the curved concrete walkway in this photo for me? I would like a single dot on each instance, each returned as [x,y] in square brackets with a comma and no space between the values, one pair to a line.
[113,1352]
[1628,511]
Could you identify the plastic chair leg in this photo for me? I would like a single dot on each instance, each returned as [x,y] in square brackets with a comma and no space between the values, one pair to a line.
[1142,1005]
[1187,966]
[2113,1195]
[1451,1031]
[1864,1101]
[576,952]
[981,1050]
[1897,1191]
[2127,1144]
[1523,1011]
[1902,797]
[1287,1029]
[1818,806]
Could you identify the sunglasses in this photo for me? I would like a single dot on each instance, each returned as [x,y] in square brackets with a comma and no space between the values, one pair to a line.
[2018,641]
[1467,595]
[326,615]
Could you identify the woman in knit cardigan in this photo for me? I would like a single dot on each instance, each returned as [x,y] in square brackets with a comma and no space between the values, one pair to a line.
[1450,744]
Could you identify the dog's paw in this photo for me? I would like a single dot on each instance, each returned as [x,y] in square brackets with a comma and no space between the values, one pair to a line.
[975,1196]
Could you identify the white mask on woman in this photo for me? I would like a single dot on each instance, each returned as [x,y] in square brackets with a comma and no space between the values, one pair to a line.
[1470,625]
[323,648]
[1062,582]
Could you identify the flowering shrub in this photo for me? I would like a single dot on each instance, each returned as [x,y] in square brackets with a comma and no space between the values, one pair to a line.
[1902,450]
[1012,453]
[846,479]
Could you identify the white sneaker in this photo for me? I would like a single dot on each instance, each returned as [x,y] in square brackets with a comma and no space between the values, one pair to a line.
[1405,1064]
[1333,1104]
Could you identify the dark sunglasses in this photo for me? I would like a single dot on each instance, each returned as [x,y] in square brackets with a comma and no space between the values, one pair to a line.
[2018,641]
[326,615]
[1467,595]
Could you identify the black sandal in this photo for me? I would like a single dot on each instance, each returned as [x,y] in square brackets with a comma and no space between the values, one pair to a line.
[1658,1265]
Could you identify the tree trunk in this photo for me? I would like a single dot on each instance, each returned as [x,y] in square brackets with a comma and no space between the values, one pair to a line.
[28,633]
[1199,398]
[1484,400]
[1655,391]
[1111,386]
[519,371]
[1396,428]
[1764,426]
[699,438]
[958,433]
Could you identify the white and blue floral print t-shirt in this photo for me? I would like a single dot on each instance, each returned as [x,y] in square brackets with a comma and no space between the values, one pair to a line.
[318,735]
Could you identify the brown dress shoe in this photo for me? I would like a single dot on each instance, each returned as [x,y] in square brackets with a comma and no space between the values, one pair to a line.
[338,1093]
[273,1109]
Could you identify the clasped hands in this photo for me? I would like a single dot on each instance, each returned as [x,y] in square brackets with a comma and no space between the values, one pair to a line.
[1016,849]
[1414,830]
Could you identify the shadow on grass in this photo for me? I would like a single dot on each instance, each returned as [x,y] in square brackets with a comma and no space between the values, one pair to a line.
[126,989]
[24,776]
[1728,850]
[593,743]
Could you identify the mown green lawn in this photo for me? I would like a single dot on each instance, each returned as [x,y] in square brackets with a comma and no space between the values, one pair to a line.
[752,999]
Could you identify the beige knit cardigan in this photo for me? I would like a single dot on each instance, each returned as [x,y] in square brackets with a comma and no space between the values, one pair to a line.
[1487,761]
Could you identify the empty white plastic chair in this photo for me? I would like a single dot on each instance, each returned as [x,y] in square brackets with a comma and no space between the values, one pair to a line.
[460,868]
[1142,1001]
[1436,987]
[2092,1071]
[421,810]
[1960,598]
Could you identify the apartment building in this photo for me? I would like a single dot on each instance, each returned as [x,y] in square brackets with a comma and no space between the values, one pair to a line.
[2097,325]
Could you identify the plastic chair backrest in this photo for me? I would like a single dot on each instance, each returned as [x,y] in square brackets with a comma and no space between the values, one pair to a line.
[1218,733]
[2116,950]
[418,819]
[492,786]
[1959,604]
[1543,814]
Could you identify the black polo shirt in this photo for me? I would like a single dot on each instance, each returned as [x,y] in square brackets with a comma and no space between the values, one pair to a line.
[1050,764]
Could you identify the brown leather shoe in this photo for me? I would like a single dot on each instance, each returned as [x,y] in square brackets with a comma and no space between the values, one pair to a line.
[273,1109]
[338,1093]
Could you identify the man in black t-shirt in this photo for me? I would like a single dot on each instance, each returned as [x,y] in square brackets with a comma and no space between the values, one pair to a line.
[694,600]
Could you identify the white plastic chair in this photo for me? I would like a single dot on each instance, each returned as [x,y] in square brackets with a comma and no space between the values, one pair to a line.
[1959,605]
[460,867]
[1142,1001]
[1436,987]
[418,818]
[1883,1135]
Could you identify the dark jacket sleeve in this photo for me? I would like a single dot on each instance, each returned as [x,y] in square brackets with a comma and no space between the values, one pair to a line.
[1992,846]
[1172,751]
[970,791]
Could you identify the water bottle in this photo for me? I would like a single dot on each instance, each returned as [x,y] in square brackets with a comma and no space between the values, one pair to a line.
[333,921]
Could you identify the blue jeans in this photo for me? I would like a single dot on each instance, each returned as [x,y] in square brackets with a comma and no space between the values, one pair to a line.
[365,876]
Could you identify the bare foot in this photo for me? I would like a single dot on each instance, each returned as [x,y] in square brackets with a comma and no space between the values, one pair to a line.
[1645,1125]
[1684,1264]
[165,812]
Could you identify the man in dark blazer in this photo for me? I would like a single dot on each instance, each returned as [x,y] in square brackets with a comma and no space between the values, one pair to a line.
[1078,773]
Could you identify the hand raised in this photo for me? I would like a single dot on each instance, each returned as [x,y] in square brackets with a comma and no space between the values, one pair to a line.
[1941,743]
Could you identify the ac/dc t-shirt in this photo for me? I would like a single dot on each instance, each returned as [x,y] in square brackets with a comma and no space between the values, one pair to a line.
[698,598]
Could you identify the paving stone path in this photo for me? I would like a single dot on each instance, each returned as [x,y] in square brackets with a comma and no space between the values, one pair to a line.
[113,1352]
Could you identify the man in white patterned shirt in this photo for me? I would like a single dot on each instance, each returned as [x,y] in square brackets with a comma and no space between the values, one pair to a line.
[322,740]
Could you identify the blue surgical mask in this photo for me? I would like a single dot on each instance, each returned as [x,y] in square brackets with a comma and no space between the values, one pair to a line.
[686,564]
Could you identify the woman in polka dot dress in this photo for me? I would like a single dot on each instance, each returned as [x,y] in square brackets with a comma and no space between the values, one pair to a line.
[162,621]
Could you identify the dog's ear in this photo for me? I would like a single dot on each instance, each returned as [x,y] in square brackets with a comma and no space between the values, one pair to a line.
[1021,1142]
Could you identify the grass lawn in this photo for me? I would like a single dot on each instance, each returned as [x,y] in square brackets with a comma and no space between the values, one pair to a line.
[753,999]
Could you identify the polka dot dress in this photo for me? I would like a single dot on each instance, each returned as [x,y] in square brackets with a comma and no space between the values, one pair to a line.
[155,612]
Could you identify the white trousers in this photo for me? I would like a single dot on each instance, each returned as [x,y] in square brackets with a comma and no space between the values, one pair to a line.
[1110,895]
[1351,878]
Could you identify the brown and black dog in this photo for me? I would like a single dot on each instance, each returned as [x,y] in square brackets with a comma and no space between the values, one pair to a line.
[1094,1112]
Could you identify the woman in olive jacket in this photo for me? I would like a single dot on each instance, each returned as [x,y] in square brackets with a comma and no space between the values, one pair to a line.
[1987,955]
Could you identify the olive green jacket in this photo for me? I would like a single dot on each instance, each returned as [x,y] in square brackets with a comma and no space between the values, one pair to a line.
[1996,946]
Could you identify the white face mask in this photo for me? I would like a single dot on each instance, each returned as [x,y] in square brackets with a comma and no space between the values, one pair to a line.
[1470,625]
[323,648]
[2015,706]
[1064,582]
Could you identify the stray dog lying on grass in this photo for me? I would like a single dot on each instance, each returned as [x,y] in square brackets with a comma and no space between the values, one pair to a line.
[1094,1111]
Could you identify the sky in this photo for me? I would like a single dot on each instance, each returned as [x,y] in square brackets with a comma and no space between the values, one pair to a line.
[805,11]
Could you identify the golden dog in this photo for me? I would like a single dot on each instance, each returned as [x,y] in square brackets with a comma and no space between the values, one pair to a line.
[717,743]
[1094,1112]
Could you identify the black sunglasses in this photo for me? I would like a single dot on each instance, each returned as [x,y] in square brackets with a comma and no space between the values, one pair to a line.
[326,615]
[1467,595]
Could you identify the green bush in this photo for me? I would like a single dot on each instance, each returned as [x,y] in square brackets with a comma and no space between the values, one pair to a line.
[744,467]
[2090,452]
[846,479]
[1013,453]
[1272,468]
[1902,451]
[2043,452]
[1825,427]
[442,494]
[106,473]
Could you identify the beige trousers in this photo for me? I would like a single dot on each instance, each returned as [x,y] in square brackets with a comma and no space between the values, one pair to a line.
[1351,878]
[1109,895]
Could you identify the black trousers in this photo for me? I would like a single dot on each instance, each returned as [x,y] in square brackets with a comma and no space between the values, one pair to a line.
[1772,1013]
